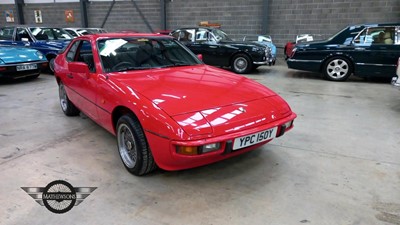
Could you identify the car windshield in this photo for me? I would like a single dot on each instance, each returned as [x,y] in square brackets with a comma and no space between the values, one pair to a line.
[220,35]
[44,34]
[134,53]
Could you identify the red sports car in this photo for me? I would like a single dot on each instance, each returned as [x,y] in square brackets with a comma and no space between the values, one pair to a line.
[165,106]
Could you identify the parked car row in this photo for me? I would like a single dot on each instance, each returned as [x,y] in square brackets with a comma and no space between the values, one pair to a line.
[46,40]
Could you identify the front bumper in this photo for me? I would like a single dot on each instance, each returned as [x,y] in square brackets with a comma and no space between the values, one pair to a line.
[9,71]
[268,61]
[166,157]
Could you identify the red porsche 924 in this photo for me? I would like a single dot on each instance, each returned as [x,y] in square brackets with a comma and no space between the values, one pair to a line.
[166,108]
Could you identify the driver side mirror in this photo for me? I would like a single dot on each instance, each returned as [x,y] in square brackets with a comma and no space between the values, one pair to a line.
[78,67]
[200,56]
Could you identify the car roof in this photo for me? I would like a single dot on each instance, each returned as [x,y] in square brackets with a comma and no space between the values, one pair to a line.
[376,24]
[76,28]
[33,26]
[207,28]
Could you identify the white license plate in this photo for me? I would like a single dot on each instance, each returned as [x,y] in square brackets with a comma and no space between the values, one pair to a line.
[27,67]
[252,139]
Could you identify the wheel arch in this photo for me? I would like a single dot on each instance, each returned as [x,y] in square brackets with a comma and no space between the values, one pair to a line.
[120,111]
[51,55]
[238,53]
[337,54]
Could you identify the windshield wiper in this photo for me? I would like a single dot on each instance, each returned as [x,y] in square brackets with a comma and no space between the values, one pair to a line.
[132,68]
[177,64]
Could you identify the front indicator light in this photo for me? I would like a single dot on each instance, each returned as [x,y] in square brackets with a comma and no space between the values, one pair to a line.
[197,150]
[210,147]
[284,127]
[187,150]
[288,124]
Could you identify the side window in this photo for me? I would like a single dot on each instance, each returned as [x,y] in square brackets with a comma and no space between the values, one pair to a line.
[388,35]
[397,36]
[72,51]
[187,35]
[22,35]
[201,35]
[376,35]
[6,33]
[72,33]
[361,38]
[176,34]
[85,55]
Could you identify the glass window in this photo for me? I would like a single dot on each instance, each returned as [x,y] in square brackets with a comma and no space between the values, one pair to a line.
[72,33]
[72,51]
[131,53]
[6,33]
[376,35]
[22,35]
[81,51]
[85,55]
[50,34]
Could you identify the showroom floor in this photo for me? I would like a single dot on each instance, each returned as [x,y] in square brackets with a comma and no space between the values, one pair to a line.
[339,165]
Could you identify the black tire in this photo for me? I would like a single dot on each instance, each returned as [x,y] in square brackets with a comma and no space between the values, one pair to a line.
[132,146]
[50,67]
[241,63]
[67,106]
[337,69]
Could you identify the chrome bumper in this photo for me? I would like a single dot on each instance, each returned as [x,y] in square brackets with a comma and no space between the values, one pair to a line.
[396,82]
[268,61]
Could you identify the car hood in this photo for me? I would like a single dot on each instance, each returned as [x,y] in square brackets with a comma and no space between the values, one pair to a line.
[188,89]
[10,55]
[56,44]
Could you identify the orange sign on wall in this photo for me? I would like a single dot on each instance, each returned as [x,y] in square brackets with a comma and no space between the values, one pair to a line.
[69,16]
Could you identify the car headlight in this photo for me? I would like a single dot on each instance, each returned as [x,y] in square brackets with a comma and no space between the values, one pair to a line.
[39,54]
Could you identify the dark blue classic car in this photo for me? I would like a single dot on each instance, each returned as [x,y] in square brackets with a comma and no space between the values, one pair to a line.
[20,62]
[47,40]
[363,50]
[219,50]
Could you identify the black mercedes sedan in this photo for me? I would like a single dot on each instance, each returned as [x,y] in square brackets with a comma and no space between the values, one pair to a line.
[367,50]
[218,49]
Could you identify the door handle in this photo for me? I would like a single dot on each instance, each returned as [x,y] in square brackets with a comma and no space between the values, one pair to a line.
[360,49]
[70,75]
[212,46]
[14,43]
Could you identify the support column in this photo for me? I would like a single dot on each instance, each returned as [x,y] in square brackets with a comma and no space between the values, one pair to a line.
[265,17]
[163,15]
[20,11]
[84,16]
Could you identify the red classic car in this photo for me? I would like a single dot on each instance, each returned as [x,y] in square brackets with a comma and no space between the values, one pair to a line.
[165,106]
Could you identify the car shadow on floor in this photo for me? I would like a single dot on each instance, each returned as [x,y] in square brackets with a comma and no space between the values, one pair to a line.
[19,81]
[318,76]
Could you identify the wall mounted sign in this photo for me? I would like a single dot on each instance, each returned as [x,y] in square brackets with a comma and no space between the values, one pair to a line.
[69,16]
[9,16]
[38,16]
